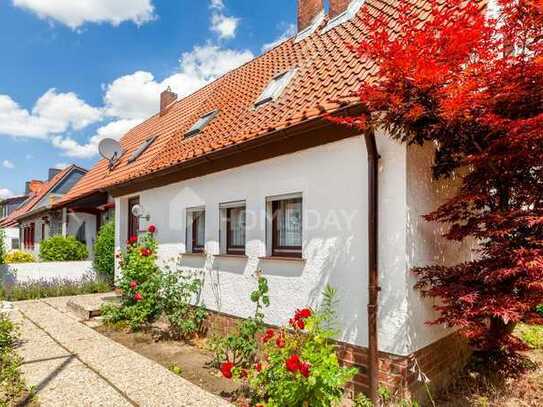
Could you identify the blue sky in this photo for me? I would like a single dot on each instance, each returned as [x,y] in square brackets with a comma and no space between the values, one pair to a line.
[74,72]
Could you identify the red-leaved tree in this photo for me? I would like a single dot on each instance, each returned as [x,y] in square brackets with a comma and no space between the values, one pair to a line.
[473,86]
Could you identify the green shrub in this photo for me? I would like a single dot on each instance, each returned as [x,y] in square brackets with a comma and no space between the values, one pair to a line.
[104,251]
[180,302]
[59,248]
[539,309]
[532,335]
[240,348]
[33,290]
[18,256]
[2,246]
[301,367]
[140,285]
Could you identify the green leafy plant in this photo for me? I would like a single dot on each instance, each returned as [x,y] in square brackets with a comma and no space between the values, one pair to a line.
[60,248]
[18,256]
[532,335]
[180,301]
[300,366]
[13,391]
[2,246]
[240,348]
[361,400]
[539,309]
[140,284]
[104,251]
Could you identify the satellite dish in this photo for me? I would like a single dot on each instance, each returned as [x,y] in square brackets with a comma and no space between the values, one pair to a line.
[111,150]
[139,212]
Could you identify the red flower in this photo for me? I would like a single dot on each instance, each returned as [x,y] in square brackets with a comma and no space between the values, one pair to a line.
[133,284]
[303,313]
[138,297]
[258,367]
[151,229]
[268,335]
[226,369]
[293,364]
[305,369]
[132,240]
[301,324]
[280,342]
[146,252]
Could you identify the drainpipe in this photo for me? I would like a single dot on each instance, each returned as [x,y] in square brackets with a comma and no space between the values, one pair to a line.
[373,256]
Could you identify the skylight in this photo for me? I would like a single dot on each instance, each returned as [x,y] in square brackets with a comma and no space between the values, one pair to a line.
[275,88]
[201,123]
[306,32]
[351,11]
[141,149]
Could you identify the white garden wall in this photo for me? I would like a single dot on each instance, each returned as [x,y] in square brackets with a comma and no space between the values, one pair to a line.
[24,272]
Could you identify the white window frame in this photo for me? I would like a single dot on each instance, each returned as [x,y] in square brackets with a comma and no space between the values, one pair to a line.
[202,123]
[349,13]
[275,87]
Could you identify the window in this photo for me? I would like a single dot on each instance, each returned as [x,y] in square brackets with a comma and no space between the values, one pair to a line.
[275,88]
[201,123]
[302,35]
[15,244]
[141,149]
[286,226]
[233,221]
[352,10]
[196,228]
[133,221]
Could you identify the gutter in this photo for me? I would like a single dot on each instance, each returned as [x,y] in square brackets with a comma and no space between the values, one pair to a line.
[373,256]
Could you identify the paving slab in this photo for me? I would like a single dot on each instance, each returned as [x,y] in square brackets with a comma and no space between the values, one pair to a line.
[70,364]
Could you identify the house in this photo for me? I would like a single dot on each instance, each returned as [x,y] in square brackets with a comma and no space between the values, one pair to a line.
[37,220]
[248,174]
[7,207]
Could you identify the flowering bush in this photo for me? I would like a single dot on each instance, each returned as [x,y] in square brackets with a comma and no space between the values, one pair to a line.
[140,284]
[240,349]
[180,302]
[18,256]
[299,366]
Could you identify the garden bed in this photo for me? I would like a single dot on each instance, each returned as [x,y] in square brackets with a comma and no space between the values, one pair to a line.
[189,360]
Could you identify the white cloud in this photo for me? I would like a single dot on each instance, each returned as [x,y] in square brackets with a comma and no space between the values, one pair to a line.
[8,164]
[53,113]
[132,98]
[5,193]
[225,27]
[61,166]
[75,13]
[287,34]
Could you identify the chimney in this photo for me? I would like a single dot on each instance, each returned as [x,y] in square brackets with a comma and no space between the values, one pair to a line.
[167,97]
[307,11]
[338,6]
[52,173]
[33,186]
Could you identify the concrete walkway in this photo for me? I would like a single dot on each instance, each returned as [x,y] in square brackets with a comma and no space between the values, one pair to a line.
[70,364]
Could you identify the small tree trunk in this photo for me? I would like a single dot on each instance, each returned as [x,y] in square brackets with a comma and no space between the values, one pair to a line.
[498,331]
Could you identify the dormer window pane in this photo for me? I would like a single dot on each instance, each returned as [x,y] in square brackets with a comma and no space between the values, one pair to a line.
[201,123]
[275,88]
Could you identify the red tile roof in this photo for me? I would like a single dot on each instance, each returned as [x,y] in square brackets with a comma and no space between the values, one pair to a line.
[328,75]
[35,197]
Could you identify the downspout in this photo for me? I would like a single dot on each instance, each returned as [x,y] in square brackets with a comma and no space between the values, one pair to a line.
[373,256]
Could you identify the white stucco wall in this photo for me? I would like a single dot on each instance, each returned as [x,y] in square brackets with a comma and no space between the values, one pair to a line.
[10,235]
[333,182]
[24,272]
[75,220]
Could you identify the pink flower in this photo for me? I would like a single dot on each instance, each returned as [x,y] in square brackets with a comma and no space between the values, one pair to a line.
[133,284]
[151,229]
[138,297]
[226,369]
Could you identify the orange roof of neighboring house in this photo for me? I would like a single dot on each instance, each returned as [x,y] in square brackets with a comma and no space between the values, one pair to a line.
[36,197]
[328,75]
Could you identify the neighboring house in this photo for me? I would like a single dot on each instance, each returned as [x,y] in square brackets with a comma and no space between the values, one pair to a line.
[248,174]
[7,207]
[38,220]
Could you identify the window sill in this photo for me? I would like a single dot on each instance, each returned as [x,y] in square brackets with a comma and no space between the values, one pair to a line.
[278,258]
[232,256]
[190,254]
